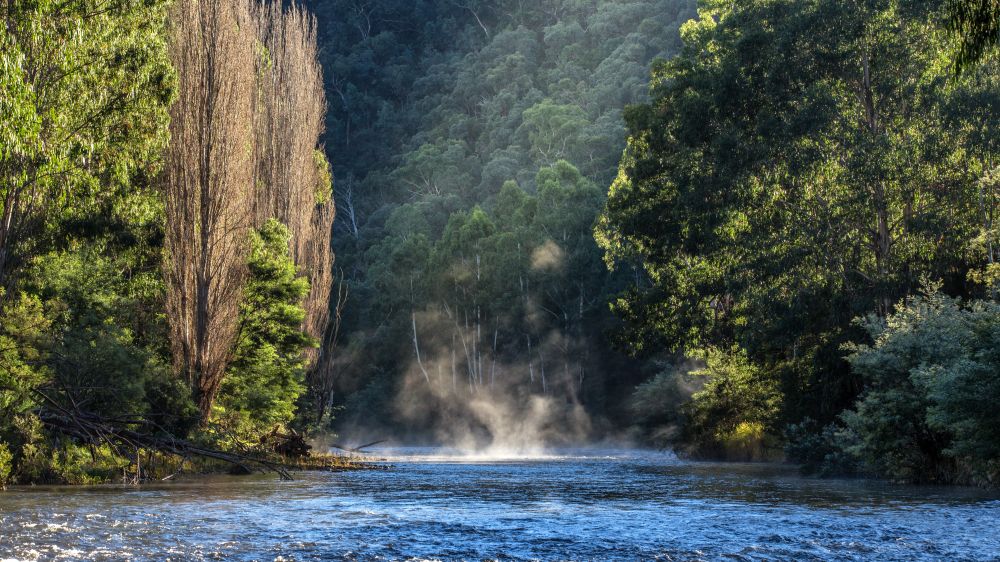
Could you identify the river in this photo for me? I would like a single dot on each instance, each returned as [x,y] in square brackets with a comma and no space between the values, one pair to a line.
[569,505]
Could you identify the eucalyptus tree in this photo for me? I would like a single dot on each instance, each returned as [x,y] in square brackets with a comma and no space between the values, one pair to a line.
[84,91]
[439,115]
[977,25]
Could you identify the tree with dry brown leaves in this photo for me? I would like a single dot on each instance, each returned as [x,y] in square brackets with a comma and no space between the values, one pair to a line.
[209,203]
[244,149]
[293,181]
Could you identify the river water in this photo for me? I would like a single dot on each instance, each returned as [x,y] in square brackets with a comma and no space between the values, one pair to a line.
[569,505]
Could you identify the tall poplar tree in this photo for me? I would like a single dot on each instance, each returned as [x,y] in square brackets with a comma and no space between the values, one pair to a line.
[209,181]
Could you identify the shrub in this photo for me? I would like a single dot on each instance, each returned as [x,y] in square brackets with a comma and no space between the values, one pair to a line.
[657,404]
[821,451]
[932,375]
[735,414]
[267,375]
[6,465]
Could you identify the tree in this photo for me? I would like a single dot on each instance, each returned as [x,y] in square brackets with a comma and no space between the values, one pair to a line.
[437,168]
[977,25]
[293,182]
[565,268]
[209,176]
[735,413]
[555,132]
[103,336]
[927,413]
[96,243]
[792,172]
[267,374]
[84,91]
[438,115]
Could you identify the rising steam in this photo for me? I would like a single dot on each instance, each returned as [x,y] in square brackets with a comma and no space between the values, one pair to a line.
[479,394]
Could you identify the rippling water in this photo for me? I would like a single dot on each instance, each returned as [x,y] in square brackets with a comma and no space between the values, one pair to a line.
[575,505]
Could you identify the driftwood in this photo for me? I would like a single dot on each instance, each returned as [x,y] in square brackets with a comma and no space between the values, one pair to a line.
[123,434]
[357,450]
[291,445]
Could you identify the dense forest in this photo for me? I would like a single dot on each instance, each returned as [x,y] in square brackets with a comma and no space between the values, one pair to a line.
[804,210]
[752,230]
[478,141]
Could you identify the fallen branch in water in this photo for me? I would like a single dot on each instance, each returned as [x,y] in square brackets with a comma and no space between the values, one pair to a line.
[291,445]
[357,450]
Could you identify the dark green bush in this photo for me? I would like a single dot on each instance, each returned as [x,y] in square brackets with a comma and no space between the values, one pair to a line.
[932,375]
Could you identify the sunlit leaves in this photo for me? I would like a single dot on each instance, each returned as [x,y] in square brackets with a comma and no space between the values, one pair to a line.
[85,89]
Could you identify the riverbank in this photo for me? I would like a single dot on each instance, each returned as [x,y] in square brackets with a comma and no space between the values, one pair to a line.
[77,466]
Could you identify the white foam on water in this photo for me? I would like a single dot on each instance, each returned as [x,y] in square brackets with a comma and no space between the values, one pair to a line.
[71,553]
[33,556]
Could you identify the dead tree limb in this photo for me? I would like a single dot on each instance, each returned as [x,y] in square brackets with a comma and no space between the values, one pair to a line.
[357,450]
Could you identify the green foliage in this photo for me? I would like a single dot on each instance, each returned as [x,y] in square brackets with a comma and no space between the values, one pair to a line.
[169,403]
[98,357]
[556,131]
[324,187]
[84,90]
[796,166]
[267,374]
[976,23]
[35,456]
[24,347]
[6,465]
[927,413]
[735,414]
[86,332]
[452,132]
[822,451]
[658,405]
[801,164]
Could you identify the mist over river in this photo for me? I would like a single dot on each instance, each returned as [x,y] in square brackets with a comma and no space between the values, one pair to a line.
[565,505]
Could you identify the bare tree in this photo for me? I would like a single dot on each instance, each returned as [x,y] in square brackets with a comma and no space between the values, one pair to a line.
[244,149]
[293,182]
[473,8]
[209,176]
[345,196]
[323,376]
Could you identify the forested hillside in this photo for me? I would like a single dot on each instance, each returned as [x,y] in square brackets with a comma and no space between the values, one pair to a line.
[762,229]
[471,144]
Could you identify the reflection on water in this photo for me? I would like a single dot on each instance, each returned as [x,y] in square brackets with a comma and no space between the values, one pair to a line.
[438,504]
